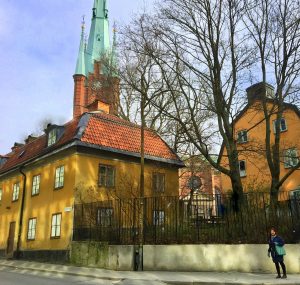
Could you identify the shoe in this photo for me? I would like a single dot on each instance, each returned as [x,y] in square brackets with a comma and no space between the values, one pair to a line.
[284,276]
[278,277]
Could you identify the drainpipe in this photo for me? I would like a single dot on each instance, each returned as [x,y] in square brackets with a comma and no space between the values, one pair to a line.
[18,253]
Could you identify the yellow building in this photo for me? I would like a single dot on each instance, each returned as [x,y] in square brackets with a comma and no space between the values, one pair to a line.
[94,157]
[41,180]
[250,130]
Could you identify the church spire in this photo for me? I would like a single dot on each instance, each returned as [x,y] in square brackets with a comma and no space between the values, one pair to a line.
[98,43]
[80,66]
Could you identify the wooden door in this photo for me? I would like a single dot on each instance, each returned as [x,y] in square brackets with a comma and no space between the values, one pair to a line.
[11,240]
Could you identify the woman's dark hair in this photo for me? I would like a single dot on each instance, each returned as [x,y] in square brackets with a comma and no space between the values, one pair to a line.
[274,229]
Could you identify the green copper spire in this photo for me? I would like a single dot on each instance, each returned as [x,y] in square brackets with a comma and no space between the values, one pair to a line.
[98,44]
[80,66]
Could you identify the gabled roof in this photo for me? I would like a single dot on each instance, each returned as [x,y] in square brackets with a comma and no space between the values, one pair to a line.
[242,112]
[99,131]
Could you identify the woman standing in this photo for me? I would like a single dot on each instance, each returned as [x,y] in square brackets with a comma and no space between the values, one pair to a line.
[276,250]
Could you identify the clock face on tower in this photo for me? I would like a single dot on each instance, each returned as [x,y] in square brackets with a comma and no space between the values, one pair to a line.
[96,85]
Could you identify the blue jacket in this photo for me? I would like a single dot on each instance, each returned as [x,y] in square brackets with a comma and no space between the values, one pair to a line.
[276,240]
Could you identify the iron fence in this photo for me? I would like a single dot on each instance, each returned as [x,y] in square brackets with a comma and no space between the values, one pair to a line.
[201,219]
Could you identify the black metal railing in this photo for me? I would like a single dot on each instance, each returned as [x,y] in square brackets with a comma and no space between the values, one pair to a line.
[202,219]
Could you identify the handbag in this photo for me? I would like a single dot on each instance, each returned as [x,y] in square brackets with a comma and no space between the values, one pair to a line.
[280,250]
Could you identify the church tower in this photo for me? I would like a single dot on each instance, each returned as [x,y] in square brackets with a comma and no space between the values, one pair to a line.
[96,86]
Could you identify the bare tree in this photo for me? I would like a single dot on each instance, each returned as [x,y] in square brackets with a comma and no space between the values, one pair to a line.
[274,29]
[199,52]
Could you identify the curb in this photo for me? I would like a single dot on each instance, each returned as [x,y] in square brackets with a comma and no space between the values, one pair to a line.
[124,278]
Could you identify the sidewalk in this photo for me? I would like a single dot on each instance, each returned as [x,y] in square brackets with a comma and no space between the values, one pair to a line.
[163,277]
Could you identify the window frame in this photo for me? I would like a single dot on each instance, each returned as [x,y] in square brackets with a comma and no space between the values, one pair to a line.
[281,130]
[55,236]
[59,186]
[14,191]
[33,229]
[158,217]
[52,137]
[288,158]
[34,185]
[106,177]
[104,220]
[238,137]
[245,171]
[156,189]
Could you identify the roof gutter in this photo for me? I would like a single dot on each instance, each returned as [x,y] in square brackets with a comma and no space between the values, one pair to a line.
[18,252]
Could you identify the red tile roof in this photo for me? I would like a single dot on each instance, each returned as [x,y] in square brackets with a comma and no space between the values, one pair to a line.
[38,147]
[100,130]
[112,132]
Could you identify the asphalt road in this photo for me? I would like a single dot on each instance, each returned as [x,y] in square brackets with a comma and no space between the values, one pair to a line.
[11,276]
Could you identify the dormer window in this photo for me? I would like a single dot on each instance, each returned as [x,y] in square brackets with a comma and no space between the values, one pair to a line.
[52,137]
[54,133]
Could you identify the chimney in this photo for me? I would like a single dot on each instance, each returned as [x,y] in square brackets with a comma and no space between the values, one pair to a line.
[260,91]
[79,95]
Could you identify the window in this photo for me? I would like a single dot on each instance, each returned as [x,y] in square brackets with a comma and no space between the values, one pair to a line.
[291,158]
[52,137]
[55,226]
[59,177]
[104,217]
[106,176]
[158,217]
[242,136]
[16,191]
[158,182]
[31,229]
[283,125]
[242,167]
[36,185]
[1,193]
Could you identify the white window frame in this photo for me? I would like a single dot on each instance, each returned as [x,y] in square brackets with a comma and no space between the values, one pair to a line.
[31,229]
[36,181]
[107,178]
[1,194]
[281,130]
[52,136]
[243,173]
[59,177]
[159,182]
[241,138]
[56,225]
[105,216]
[290,159]
[16,191]
[158,217]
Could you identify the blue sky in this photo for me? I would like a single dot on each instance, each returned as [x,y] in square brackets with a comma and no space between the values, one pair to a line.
[39,41]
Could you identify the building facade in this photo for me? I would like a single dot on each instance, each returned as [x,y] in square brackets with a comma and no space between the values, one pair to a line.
[94,157]
[250,132]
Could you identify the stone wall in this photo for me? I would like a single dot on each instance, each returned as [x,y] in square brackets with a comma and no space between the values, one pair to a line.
[96,254]
[219,258]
